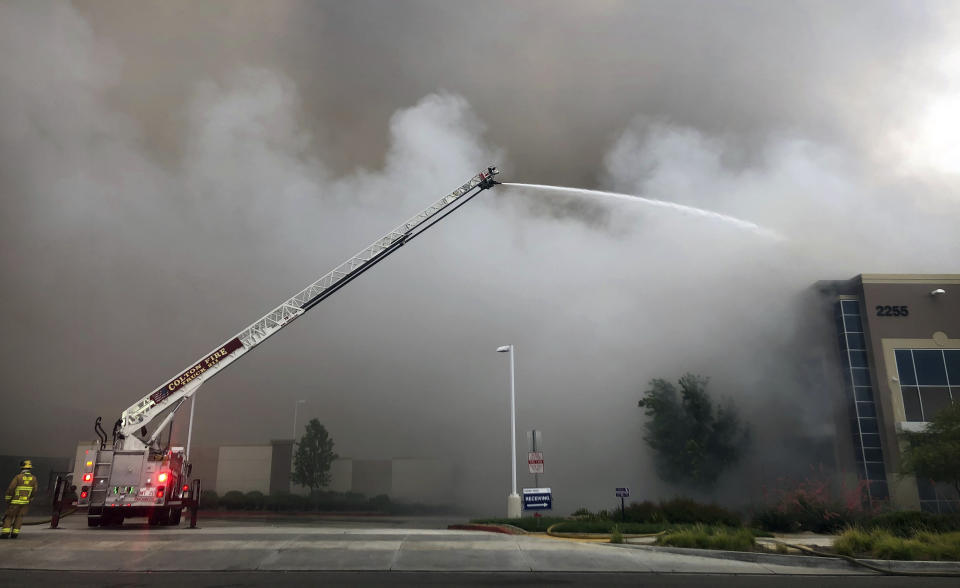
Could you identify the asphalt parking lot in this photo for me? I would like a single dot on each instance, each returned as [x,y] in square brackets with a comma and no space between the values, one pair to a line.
[366,551]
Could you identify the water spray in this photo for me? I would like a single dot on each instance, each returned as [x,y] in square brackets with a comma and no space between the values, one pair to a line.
[740,223]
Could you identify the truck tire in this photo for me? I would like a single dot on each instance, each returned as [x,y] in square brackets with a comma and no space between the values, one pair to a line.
[174,518]
[93,521]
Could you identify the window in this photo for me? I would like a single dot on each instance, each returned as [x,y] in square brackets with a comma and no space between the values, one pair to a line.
[866,409]
[852,324]
[856,341]
[850,306]
[933,400]
[861,376]
[924,381]
[931,370]
[905,367]
[859,359]
[911,403]
[952,359]
[863,411]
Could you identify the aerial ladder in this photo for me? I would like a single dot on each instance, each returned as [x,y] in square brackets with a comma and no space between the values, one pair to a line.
[136,474]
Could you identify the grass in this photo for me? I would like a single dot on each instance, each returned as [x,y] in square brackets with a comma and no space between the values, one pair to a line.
[706,537]
[881,544]
[616,536]
[564,525]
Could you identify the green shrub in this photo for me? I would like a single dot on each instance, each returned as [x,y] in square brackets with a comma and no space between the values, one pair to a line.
[685,510]
[680,511]
[380,502]
[285,501]
[208,500]
[253,500]
[853,541]
[884,545]
[233,500]
[701,537]
[908,523]
[582,513]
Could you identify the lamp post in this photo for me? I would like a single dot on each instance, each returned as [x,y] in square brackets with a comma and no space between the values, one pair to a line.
[296,405]
[513,500]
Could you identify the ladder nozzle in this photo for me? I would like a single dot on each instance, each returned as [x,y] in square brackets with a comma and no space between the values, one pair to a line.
[486,178]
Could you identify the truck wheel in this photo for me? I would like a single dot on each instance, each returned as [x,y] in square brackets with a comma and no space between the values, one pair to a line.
[175,516]
[93,521]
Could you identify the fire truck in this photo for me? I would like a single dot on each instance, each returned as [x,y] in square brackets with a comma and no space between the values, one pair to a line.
[135,473]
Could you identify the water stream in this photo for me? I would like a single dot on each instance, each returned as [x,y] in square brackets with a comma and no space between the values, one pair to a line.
[740,223]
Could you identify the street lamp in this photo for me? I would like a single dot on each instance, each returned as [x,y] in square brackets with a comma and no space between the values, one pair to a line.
[296,405]
[513,500]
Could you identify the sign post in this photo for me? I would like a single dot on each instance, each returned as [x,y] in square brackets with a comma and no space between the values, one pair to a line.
[621,494]
[537,499]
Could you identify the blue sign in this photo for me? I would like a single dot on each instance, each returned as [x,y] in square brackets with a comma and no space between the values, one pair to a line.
[623,493]
[537,499]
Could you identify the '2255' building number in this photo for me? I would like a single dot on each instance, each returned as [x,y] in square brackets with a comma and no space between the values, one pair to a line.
[892,311]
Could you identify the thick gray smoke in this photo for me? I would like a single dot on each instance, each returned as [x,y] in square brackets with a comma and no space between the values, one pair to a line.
[172,171]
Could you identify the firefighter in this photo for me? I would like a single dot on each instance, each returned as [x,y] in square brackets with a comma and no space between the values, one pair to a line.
[18,496]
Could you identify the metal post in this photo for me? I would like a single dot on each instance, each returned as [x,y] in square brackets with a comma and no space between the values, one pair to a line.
[513,423]
[513,500]
[193,405]
[533,438]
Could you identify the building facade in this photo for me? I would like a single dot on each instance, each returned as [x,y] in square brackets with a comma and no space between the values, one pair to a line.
[899,343]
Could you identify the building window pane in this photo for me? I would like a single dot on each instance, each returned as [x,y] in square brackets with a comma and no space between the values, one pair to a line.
[933,400]
[859,359]
[911,403]
[868,426]
[864,393]
[866,409]
[873,454]
[930,368]
[905,367]
[875,471]
[879,491]
[852,324]
[870,440]
[850,306]
[856,341]
[953,366]
[861,377]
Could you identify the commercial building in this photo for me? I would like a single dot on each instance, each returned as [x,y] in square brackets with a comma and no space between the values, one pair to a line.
[267,468]
[899,343]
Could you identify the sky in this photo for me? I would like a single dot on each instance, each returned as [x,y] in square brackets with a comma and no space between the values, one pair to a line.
[171,171]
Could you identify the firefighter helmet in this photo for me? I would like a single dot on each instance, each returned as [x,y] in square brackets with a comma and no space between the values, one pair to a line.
[26,464]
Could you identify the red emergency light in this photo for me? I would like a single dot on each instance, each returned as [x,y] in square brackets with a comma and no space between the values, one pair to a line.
[186,487]
[83,494]
[87,477]
[160,492]
[162,477]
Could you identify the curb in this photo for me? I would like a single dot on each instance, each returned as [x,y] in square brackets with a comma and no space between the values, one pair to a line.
[804,561]
[505,529]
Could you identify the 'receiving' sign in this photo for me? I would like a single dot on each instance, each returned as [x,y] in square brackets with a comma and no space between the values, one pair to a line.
[535,462]
[194,371]
[537,499]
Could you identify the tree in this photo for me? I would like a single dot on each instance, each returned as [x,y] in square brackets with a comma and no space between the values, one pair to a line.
[935,452]
[693,441]
[314,456]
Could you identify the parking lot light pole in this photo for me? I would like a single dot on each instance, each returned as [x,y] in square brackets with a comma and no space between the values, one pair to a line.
[513,500]
[296,405]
